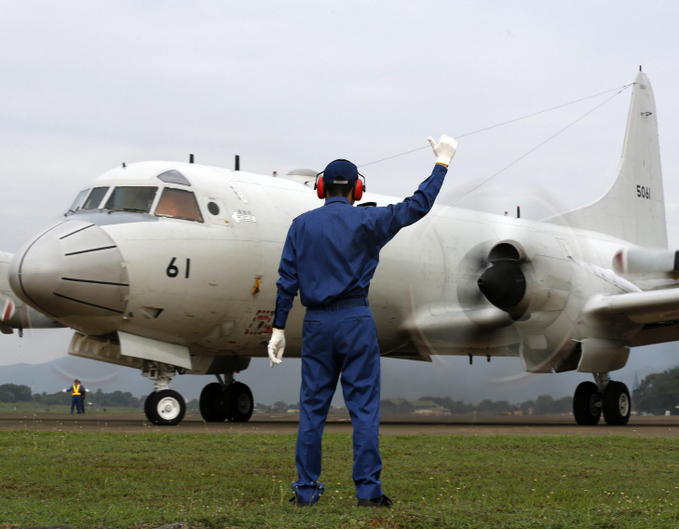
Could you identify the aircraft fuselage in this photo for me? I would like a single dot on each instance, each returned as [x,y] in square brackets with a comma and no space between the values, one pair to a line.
[209,284]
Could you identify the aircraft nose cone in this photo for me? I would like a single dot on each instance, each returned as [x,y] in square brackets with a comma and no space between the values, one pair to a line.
[74,273]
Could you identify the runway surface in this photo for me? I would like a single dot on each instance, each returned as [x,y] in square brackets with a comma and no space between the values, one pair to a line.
[286,424]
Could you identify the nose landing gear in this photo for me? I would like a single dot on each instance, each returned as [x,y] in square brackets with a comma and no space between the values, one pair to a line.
[164,407]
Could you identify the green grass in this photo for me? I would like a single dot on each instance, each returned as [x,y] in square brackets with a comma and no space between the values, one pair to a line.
[230,480]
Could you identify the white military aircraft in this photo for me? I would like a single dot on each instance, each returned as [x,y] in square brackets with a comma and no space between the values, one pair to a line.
[171,267]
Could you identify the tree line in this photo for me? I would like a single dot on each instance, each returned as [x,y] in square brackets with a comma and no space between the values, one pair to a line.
[543,405]
[658,393]
[13,393]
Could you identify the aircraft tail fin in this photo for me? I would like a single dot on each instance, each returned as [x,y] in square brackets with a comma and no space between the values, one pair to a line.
[633,209]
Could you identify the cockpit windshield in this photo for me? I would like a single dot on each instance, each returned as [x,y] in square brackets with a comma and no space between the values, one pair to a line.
[135,199]
[173,203]
[178,204]
[95,198]
[78,201]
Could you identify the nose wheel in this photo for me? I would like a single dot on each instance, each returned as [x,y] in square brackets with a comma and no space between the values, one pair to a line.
[233,402]
[165,408]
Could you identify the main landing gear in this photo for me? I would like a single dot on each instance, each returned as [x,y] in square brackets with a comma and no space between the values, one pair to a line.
[607,396]
[226,400]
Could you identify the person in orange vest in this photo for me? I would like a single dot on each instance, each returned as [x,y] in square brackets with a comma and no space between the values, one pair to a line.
[77,393]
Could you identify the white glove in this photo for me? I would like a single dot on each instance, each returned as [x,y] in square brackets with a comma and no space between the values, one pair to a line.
[276,346]
[444,149]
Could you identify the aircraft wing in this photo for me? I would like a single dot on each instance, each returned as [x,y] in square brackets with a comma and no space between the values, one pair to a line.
[448,329]
[657,310]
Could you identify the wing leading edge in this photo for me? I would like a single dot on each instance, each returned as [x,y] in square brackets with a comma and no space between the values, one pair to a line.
[656,310]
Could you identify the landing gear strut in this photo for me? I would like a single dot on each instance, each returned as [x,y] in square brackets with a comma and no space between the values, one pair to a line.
[607,396]
[164,407]
[226,399]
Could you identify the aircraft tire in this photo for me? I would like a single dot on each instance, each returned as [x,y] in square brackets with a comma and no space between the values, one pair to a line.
[147,403]
[212,403]
[240,402]
[165,408]
[617,404]
[586,404]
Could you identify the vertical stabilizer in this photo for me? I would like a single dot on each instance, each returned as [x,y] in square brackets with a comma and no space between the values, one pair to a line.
[634,207]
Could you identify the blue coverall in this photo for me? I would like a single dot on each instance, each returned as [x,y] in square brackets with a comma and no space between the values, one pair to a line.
[330,256]
[77,398]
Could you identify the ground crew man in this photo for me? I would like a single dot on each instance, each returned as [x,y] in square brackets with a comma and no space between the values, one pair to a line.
[77,393]
[330,256]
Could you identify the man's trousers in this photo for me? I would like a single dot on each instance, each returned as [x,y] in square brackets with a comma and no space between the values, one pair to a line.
[338,342]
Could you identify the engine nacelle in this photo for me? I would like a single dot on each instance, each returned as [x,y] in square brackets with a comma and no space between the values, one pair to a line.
[553,335]
[525,280]
[600,355]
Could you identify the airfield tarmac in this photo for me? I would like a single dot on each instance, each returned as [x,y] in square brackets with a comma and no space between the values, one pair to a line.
[656,427]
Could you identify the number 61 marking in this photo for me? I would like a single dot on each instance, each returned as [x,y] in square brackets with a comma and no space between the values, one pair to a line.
[173,270]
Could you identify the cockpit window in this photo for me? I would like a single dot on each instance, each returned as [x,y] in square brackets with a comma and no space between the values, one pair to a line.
[136,199]
[78,201]
[179,204]
[95,198]
[174,177]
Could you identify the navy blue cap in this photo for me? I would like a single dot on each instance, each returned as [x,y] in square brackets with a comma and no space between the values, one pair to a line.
[341,170]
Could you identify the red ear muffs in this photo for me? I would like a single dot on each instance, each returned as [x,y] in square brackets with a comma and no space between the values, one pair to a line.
[358,189]
[319,187]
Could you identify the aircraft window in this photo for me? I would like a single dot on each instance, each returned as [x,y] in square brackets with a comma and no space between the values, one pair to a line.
[179,204]
[137,199]
[95,198]
[213,208]
[78,201]
[174,177]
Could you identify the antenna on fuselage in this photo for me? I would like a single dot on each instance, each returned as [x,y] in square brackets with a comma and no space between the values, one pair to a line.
[237,163]
[190,158]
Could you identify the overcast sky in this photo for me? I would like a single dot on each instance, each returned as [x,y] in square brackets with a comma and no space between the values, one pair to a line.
[290,84]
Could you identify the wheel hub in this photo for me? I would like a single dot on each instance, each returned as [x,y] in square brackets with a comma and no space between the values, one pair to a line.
[168,408]
[623,404]
[243,403]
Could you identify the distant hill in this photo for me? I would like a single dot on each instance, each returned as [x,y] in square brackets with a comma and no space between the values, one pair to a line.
[58,374]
